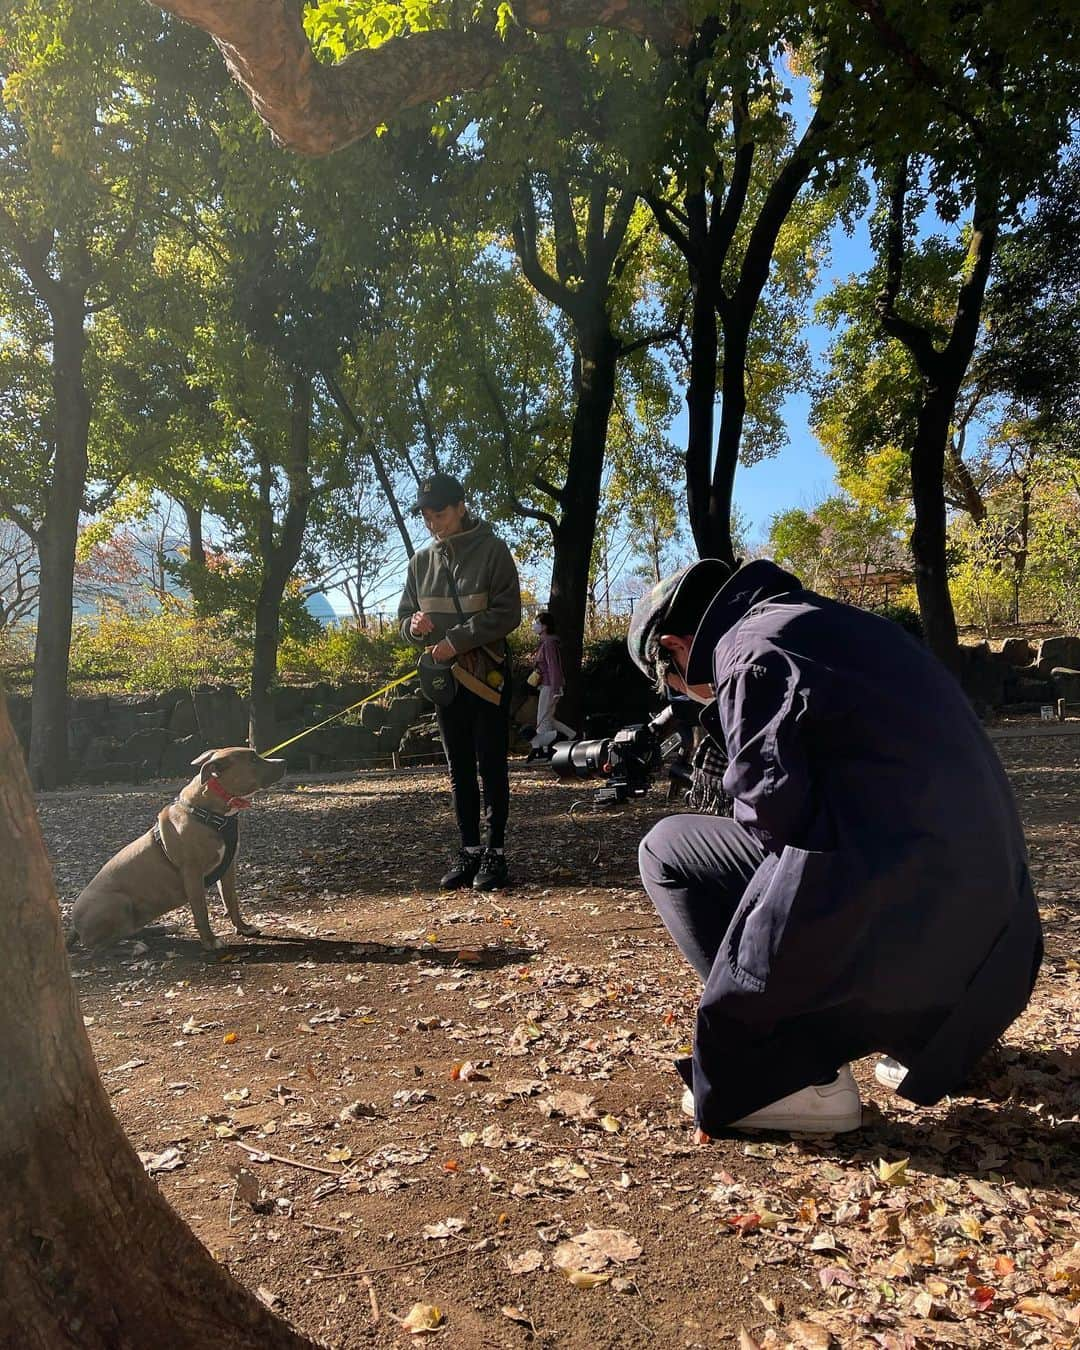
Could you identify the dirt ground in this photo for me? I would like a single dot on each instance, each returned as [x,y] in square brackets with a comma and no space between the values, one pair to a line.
[400,1097]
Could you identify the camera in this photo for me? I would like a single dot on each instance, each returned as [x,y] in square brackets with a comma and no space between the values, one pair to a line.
[629,759]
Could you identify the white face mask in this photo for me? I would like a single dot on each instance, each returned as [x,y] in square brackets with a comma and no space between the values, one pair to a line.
[537,628]
[697,698]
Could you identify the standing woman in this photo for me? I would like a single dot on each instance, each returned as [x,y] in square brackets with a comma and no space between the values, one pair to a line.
[461,600]
[548,661]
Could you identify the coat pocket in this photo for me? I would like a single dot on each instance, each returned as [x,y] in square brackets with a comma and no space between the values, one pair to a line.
[788,890]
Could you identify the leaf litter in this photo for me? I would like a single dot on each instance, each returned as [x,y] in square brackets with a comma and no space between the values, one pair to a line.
[562,1004]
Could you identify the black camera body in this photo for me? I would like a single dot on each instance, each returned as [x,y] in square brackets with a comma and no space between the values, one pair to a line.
[629,759]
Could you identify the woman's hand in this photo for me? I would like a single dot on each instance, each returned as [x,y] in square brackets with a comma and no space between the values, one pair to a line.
[443,651]
[420,624]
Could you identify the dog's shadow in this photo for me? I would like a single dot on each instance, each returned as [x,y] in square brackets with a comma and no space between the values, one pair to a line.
[284,947]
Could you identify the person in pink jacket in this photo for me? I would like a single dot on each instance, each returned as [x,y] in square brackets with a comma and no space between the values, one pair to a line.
[548,661]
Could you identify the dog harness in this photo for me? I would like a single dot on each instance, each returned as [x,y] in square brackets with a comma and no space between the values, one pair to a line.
[227,826]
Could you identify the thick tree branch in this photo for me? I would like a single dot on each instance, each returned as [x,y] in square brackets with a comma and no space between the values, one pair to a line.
[30,254]
[612,241]
[914,336]
[985,220]
[725,219]
[569,260]
[783,190]
[649,340]
[524,230]
[548,488]
[670,220]
[19,517]
[317,109]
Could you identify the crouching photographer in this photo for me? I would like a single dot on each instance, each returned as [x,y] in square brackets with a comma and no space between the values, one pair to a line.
[870,893]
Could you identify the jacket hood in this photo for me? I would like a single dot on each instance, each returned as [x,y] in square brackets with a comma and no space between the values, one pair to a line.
[749,586]
[479,529]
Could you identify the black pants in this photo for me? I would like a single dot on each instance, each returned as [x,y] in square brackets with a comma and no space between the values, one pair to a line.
[695,870]
[476,736]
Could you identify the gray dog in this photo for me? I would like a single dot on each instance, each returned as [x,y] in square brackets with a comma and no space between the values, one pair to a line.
[191,845]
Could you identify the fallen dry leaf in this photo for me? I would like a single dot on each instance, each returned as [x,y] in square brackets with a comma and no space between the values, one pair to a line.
[525,1263]
[596,1249]
[585,1279]
[445,1229]
[422,1318]
[1042,1306]
[168,1161]
[893,1174]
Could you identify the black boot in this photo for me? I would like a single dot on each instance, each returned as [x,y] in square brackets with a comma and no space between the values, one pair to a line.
[463,871]
[492,874]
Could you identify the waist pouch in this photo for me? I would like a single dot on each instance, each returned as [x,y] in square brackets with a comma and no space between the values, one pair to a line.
[483,671]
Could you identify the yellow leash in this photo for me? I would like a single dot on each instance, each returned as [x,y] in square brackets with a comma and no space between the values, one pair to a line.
[327,720]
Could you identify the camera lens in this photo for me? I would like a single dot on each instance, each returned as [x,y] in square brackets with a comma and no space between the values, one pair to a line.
[580,759]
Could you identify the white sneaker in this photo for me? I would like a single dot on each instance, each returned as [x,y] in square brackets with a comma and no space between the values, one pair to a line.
[822,1108]
[890,1072]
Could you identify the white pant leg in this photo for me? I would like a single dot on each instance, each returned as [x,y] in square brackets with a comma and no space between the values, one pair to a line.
[548,727]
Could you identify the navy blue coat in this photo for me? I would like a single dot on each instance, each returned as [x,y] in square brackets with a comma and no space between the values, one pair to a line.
[893,911]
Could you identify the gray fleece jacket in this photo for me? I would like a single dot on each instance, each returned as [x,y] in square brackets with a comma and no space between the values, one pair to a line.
[487,586]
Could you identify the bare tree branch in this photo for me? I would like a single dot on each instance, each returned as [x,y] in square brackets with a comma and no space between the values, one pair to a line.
[507,437]
[349,413]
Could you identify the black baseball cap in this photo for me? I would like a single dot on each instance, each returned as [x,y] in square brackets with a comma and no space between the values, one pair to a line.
[674,605]
[437,492]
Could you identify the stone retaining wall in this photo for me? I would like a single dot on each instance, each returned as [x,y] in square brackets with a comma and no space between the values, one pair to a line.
[131,737]
[1021,676]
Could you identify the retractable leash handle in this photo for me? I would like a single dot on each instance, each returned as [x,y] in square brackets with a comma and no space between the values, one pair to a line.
[402,679]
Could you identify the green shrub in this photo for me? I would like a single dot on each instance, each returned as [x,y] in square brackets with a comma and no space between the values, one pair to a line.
[346,652]
[16,656]
[907,616]
[156,649]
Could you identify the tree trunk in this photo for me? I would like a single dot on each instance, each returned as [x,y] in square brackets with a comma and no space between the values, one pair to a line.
[716,527]
[196,546]
[91,1255]
[576,529]
[701,411]
[279,558]
[262,724]
[958,475]
[928,543]
[57,541]
[942,373]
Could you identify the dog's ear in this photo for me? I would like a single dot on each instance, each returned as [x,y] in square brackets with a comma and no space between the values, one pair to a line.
[203,761]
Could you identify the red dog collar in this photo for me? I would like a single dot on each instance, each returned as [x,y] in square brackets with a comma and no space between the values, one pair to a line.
[215,787]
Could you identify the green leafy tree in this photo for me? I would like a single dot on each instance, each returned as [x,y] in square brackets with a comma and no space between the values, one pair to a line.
[988,103]
[89,97]
[840,547]
[730,197]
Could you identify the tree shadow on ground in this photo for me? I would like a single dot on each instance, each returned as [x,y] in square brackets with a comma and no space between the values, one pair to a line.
[282,948]
[1017,1125]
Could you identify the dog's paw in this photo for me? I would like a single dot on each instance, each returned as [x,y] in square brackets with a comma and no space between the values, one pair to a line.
[248,930]
[214,945]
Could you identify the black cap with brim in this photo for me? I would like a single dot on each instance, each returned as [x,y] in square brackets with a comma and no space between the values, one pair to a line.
[437,492]
[674,605]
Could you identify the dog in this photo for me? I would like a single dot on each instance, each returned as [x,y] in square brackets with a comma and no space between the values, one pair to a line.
[191,845]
